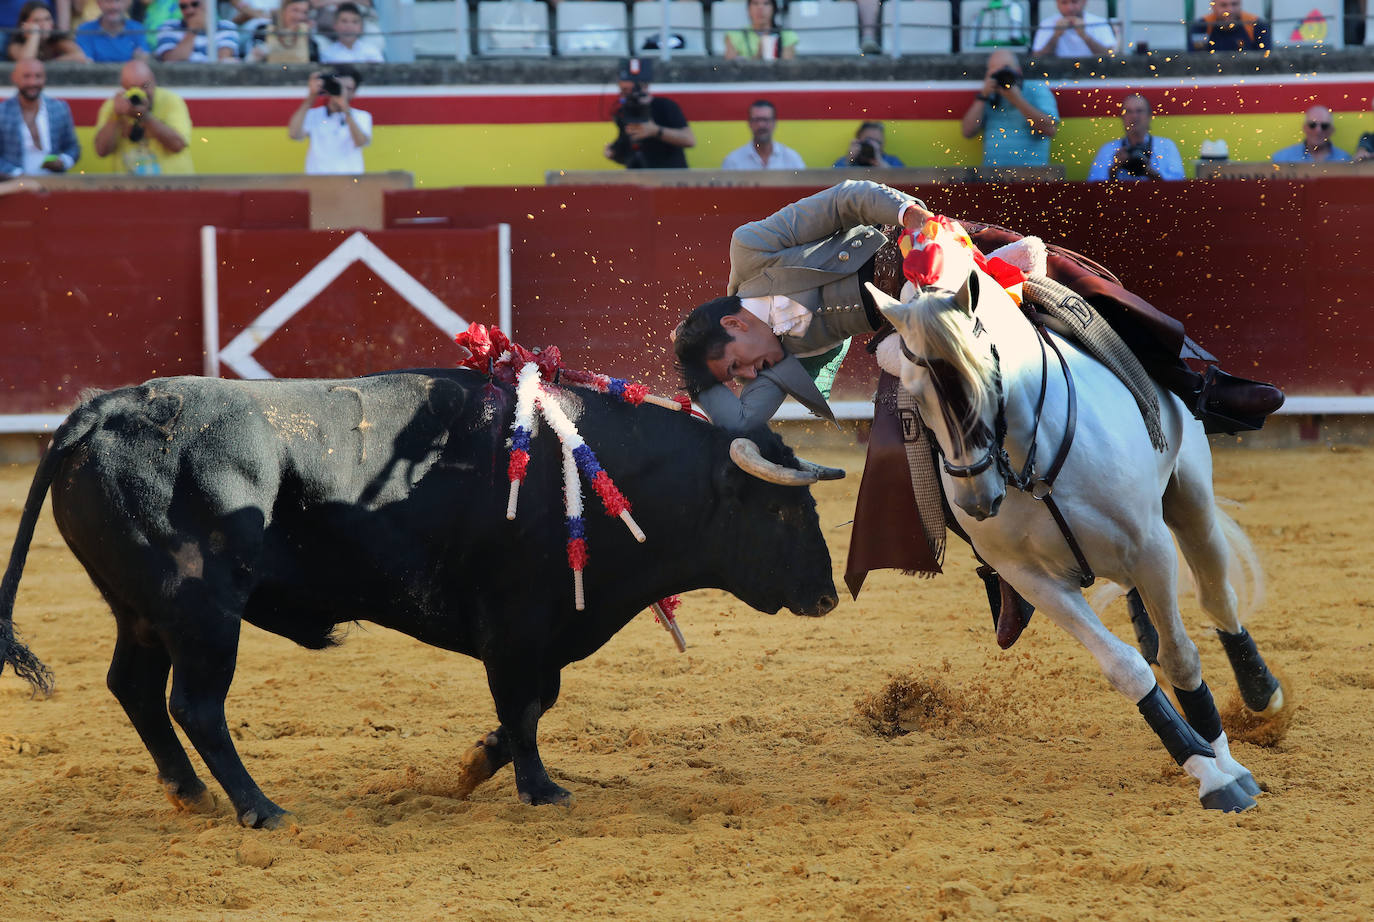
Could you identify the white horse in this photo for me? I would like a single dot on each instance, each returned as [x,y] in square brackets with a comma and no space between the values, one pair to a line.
[1009,403]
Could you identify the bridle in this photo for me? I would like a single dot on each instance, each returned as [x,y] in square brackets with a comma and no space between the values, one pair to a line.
[1025,480]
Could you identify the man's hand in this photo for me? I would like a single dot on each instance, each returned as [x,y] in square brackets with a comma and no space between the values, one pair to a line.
[54,164]
[642,131]
[915,216]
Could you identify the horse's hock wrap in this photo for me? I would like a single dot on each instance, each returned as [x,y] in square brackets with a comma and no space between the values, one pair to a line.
[1074,318]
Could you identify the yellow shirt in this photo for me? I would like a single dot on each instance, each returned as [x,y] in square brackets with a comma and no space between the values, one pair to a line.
[149,157]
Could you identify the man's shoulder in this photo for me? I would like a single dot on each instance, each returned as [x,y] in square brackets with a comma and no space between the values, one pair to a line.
[1291,153]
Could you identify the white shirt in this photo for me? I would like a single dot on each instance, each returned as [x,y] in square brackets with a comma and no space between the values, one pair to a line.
[746,158]
[331,143]
[339,53]
[781,313]
[35,155]
[1071,44]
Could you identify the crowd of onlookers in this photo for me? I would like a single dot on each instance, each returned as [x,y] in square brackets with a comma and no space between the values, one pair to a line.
[146,128]
[277,31]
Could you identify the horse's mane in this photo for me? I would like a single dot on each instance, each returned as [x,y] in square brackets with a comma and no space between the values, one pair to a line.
[958,368]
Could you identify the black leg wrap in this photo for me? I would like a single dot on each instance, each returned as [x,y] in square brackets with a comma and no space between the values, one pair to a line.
[1173,731]
[1146,637]
[1200,710]
[1257,683]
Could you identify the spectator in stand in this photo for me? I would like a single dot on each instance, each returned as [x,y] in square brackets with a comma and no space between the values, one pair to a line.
[1016,117]
[185,39]
[868,27]
[37,134]
[866,150]
[153,13]
[653,134]
[348,28]
[323,12]
[763,40]
[1138,154]
[1074,33]
[763,153]
[36,37]
[114,36]
[144,127]
[289,38]
[1315,146]
[1229,28]
[337,132]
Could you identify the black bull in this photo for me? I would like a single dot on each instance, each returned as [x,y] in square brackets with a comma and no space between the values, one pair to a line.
[196,504]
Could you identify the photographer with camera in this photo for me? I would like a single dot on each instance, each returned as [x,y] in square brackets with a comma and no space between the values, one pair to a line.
[866,150]
[1016,117]
[1138,154]
[337,131]
[37,134]
[653,132]
[144,126]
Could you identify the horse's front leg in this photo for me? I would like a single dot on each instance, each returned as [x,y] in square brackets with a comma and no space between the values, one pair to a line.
[1129,674]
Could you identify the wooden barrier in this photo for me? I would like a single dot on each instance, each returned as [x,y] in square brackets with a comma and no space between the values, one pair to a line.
[104,287]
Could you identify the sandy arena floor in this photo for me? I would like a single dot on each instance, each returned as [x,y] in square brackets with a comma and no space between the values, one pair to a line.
[737,781]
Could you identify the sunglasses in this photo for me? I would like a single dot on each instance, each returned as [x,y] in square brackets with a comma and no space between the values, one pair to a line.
[190,6]
[1323,126]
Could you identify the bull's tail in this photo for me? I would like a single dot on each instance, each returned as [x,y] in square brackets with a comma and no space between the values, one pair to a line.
[12,652]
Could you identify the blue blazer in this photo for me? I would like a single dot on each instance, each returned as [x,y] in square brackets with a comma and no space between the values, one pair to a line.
[61,133]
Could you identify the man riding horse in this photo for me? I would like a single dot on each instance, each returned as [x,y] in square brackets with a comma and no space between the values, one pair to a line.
[796,296]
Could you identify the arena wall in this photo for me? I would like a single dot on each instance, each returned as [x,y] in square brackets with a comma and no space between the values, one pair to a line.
[105,288]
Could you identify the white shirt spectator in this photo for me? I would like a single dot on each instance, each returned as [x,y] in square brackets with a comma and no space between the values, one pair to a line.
[339,53]
[169,35]
[747,158]
[331,143]
[1071,44]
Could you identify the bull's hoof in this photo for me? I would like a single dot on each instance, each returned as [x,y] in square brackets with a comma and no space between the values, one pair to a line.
[188,799]
[269,816]
[546,793]
[474,767]
[1229,799]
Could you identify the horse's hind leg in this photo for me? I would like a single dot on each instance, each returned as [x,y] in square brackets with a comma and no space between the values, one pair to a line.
[1128,672]
[1191,512]
[138,679]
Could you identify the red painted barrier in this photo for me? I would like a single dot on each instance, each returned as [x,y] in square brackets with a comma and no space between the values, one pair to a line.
[104,288]
[337,304]
[1271,276]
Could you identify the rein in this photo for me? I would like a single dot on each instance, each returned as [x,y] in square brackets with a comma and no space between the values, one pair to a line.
[1041,488]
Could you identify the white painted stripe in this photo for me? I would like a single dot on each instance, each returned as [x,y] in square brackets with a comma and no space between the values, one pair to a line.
[209,297]
[503,316]
[31,422]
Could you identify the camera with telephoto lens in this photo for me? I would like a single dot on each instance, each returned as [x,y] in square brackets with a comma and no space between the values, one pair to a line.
[634,106]
[1137,159]
[330,85]
[136,97]
[867,155]
[1006,78]
[1366,142]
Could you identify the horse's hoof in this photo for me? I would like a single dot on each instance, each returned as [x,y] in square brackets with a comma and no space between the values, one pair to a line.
[1229,799]
[1248,784]
[1275,703]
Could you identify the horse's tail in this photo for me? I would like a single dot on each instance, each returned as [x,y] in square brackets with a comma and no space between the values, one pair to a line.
[1243,565]
[12,652]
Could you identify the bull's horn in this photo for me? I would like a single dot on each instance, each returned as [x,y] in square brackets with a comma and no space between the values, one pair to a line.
[746,455]
[820,470]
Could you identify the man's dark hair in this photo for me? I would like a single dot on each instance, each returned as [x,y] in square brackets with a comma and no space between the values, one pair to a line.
[701,338]
[763,104]
[347,7]
[864,126]
[348,70]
